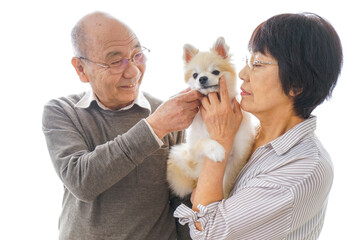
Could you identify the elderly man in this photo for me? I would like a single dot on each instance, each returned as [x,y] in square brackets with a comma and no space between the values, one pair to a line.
[109,146]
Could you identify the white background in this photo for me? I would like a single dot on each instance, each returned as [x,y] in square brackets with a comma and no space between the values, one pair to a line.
[35,52]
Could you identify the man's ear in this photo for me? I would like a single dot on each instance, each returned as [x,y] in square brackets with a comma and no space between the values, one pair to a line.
[79,67]
[189,52]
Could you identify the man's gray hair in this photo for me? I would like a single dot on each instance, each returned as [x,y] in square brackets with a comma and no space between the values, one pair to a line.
[78,39]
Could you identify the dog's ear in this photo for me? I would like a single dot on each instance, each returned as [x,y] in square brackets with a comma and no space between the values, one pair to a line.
[221,48]
[189,52]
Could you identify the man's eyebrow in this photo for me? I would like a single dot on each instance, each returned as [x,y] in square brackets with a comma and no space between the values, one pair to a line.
[113,54]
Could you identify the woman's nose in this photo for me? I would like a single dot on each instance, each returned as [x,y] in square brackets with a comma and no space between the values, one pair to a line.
[243,74]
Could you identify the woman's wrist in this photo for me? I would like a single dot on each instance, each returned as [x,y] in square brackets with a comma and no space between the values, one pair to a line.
[210,183]
[226,144]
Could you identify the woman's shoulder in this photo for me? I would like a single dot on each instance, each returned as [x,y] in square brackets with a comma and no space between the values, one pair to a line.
[305,161]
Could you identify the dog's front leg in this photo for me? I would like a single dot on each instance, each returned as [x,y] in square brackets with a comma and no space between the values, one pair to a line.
[209,148]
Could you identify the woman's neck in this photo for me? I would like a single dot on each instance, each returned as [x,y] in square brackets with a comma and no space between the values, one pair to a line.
[273,127]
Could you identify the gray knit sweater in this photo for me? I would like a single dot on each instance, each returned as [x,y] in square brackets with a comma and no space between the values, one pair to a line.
[113,171]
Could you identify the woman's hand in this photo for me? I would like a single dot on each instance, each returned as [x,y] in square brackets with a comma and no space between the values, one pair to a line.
[222,120]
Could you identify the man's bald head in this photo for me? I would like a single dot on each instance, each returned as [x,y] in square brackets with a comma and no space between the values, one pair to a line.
[89,31]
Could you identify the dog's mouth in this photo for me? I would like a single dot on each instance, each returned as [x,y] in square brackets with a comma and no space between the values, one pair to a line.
[211,86]
[208,89]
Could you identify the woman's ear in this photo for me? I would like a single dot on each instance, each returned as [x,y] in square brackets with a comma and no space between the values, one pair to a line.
[80,70]
[295,92]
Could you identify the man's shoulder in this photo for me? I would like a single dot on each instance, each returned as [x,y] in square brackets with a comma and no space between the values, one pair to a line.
[154,102]
[62,105]
[70,100]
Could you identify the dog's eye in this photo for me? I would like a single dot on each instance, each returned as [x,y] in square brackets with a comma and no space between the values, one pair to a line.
[216,72]
[195,75]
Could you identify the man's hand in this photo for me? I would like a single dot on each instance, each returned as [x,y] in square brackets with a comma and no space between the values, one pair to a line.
[175,114]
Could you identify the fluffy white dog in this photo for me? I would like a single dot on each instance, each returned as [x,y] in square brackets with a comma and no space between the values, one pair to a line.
[202,72]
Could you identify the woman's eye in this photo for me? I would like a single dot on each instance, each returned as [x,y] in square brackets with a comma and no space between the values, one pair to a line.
[195,75]
[216,72]
[256,63]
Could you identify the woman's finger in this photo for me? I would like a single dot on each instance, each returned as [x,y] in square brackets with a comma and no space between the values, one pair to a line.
[236,106]
[205,102]
[224,94]
[213,98]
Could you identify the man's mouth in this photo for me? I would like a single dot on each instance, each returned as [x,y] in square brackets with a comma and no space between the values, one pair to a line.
[129,86]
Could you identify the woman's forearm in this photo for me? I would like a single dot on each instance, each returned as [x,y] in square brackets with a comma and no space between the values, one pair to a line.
[210,183]
[209,188]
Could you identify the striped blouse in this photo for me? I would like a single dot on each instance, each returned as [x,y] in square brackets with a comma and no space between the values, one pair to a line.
[281,193]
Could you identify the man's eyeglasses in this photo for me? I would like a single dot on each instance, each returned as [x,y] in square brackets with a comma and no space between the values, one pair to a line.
[252,62]
[119,66]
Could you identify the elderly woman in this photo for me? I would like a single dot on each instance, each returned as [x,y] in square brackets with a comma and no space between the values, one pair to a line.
[282,191]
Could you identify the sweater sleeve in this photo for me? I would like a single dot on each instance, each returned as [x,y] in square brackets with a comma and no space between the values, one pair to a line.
[89,173]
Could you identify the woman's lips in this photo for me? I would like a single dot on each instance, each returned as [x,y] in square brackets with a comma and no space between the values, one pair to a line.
[244,93]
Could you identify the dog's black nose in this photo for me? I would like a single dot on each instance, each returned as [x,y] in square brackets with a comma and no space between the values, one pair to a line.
[203,80]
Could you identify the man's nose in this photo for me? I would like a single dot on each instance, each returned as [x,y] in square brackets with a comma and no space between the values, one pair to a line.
[131,70]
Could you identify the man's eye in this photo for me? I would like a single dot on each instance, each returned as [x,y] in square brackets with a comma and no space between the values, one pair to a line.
[117,63]
[138,55]
[195,75]
[215,72]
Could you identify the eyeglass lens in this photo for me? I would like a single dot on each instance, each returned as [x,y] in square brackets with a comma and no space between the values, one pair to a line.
[119,66]
[249,61]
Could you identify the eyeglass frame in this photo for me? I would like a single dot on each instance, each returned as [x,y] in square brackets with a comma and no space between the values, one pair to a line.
[256,62]
[108,66]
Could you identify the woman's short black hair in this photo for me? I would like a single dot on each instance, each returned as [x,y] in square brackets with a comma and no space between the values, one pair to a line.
[309,55]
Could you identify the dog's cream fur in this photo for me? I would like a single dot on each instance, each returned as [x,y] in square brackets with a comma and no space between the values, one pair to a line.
[185,160]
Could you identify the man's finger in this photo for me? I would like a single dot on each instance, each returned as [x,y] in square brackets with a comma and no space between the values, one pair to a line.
[194,104]
[185,91]
[182,92]
[192,95]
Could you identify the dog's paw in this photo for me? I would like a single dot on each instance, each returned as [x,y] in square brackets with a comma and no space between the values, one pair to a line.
[214,151]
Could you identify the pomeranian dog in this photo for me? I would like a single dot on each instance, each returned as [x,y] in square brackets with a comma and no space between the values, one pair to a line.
[202,72]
